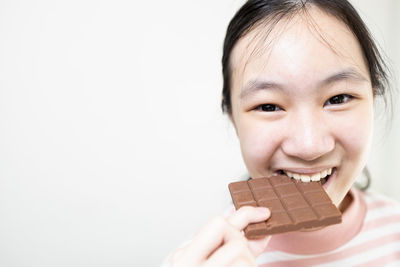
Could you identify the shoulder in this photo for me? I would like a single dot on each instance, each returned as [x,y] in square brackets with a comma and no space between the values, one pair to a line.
[374,200]
[382,212]
[379,206]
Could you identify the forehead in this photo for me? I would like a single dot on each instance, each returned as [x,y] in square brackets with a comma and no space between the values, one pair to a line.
[298,49]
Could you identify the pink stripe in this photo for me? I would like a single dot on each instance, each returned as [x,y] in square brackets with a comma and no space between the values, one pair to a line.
[380,222]
[382,260]
[338,255]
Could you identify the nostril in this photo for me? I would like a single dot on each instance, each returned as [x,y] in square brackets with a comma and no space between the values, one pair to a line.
[307,150]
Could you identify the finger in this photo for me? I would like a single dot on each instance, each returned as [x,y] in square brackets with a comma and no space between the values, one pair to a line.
[233,252]
[257,246]
[247,214]
[177,255]
[179,252]
[209,238]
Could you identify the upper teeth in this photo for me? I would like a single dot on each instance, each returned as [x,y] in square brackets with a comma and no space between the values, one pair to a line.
[308,178]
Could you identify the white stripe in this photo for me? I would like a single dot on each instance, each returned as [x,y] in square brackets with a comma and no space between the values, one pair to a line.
[362,238]
[366,256]
[274,256]
[371,197]
[381,212]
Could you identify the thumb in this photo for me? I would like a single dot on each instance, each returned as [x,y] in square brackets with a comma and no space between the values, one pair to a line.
[257,246]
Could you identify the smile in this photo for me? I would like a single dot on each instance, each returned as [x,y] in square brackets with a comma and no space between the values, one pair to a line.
[322,176]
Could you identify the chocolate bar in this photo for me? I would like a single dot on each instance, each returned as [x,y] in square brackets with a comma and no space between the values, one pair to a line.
[294,205]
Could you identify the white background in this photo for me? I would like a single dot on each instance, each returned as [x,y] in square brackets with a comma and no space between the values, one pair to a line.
[113,148]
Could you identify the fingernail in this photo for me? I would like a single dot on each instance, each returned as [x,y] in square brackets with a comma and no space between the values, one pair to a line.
[263,210]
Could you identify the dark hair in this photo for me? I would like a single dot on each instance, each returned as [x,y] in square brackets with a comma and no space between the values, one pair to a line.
[254,12]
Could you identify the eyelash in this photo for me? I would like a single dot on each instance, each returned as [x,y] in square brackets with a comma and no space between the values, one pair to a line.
[265,107]
[342,98]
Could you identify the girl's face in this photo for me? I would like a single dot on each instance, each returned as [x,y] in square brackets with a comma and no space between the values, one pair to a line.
[302,102]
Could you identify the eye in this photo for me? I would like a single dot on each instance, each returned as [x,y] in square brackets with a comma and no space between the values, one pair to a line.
[268,108]
[338,99]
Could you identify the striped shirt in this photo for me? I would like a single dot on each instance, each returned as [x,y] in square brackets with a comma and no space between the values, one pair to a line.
[368,236]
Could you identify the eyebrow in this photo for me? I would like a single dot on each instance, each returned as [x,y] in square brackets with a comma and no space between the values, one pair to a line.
[259,84]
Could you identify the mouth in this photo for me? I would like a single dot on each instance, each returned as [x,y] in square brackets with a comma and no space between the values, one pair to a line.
[321,177]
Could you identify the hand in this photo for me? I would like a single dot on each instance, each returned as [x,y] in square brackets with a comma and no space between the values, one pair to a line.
[221,242]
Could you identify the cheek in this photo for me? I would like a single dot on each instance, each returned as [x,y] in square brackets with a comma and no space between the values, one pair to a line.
[258,142]
[354,134]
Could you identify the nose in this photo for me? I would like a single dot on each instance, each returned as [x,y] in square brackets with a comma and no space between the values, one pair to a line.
[309,136]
